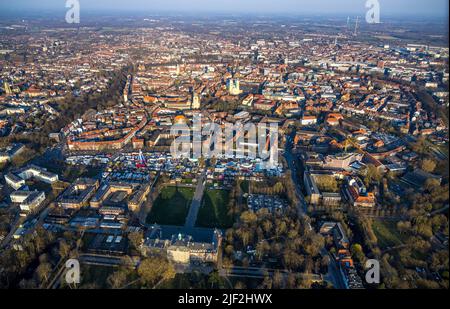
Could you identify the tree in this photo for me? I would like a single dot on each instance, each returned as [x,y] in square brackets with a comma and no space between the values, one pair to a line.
[245,235]
[427,284]
[155,269]
[439,260]
[314,244]
[292,260]
[43,271]
[136,239]
[428,165]
[239,285]
[420,146]
[277,280]
[201,162]
[291,281]
[327,183]
[213,161]
[214,279]
[350,141]
[305,283]
[358,253]
[249,217]
[404,227]
[118,279]
[372,173]
[278,188]
[64,249]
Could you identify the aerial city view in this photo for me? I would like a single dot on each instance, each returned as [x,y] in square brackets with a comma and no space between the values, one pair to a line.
[209,144]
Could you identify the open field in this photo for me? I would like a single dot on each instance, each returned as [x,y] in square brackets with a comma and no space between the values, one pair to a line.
[172,206]
[214,210]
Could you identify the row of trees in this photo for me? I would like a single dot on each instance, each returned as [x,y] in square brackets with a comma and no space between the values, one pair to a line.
[33,262]
[150,273]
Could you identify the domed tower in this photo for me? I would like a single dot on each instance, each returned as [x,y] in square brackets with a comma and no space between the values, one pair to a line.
[195,101]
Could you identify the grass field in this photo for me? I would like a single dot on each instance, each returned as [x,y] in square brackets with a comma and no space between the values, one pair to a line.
[172,206]
[214,210]
[387,233]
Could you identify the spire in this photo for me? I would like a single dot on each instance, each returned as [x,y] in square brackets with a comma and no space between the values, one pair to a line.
[7,88]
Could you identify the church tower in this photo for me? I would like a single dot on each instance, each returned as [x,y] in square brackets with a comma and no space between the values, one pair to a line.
[195,101]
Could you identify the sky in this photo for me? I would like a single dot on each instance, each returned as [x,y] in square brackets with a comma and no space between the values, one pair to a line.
[425,8]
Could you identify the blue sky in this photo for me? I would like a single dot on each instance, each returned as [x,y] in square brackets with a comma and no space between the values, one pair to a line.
[326,7]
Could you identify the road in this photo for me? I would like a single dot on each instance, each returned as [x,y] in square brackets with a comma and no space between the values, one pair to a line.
[334,275]
[438,211]
[196,202]
[302,207]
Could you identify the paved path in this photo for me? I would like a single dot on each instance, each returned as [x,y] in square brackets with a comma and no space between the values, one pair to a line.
[302,207]
[333,275]
[333,269]
[438,211]
[196,202]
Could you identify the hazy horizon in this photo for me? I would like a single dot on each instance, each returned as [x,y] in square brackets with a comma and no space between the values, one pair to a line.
[401,8]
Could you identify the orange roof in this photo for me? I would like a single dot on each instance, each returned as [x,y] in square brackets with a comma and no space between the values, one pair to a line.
[335,115]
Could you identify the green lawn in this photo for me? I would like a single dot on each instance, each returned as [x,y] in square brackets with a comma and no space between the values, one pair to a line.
[387,233]
[187,180]
[172,206]
[214,210]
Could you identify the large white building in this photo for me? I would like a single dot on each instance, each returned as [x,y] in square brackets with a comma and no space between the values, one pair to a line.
[14,181]
[17,179]
[28,200]
[39,173]
[182,248]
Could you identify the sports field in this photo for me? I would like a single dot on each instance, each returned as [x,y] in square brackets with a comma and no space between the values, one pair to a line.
[171,207]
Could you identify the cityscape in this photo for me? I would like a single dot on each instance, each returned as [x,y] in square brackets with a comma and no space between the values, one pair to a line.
[224,149]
